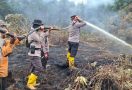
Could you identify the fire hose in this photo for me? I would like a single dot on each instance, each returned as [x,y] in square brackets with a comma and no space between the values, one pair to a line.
[3,31]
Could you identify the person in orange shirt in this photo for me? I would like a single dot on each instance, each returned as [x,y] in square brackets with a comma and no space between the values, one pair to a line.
[6,47]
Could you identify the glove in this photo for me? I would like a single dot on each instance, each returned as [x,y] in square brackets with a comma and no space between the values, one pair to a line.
[46,55]
[12,40]
[3,36]
[21,37]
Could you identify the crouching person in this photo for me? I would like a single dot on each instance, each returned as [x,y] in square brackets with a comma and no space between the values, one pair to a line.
[35,39]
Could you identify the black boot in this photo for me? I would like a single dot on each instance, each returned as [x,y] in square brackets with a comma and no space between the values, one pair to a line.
[3,83]
[44,62]
[66,65]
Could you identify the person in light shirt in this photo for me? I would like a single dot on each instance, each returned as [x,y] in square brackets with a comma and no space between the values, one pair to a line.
[73,39]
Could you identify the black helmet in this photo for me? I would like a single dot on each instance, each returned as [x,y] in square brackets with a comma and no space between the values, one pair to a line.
[37,23]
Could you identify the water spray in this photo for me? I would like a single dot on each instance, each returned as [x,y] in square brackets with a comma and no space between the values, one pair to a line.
[106,33]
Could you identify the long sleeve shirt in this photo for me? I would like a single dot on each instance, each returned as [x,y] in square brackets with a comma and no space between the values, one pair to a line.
[5,50]
[39,40]
[74,31]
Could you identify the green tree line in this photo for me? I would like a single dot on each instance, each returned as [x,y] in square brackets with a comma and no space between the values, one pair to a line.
[5,8]
[120,4]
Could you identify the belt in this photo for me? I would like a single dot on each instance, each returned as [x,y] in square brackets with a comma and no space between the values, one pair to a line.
[37,48]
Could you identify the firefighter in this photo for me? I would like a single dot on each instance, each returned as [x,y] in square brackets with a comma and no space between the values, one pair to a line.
[6,47]
[73,40]
[36,46]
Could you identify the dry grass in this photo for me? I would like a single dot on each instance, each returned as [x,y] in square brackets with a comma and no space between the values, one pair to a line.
[113,77]
[18,23]
[58,38]
[119,78]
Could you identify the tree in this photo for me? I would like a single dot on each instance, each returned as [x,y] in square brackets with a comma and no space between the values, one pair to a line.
[120,4]
[5,8]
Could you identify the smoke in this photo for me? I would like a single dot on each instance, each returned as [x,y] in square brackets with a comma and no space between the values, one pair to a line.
[93,3]
[58,12]
[96,3]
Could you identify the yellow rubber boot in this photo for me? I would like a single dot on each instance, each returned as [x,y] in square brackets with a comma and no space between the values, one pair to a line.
[72,63]
[36,84]
[31,81]
[67,62]
[68,55]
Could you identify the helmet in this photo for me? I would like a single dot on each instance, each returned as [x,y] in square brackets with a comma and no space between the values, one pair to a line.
[37,23]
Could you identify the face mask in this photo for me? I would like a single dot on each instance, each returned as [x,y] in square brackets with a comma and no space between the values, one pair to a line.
[74,21]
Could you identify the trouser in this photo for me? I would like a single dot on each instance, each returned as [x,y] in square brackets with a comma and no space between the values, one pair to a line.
[72,51]
[3,83]
[44,59]
[36,65]
[73,48]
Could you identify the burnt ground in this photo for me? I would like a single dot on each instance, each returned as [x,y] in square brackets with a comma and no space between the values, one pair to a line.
[55,77]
